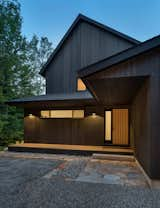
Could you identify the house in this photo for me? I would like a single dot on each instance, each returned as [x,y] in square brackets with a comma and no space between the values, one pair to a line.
[102,89]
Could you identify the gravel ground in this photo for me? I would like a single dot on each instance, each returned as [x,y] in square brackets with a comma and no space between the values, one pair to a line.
[23,185]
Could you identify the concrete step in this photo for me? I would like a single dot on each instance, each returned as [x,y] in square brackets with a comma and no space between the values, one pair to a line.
[128,158]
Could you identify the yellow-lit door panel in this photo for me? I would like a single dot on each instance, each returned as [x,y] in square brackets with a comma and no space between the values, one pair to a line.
[120,126]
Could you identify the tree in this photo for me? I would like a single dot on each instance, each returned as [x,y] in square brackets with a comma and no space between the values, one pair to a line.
[20,62]
[39,51]
[11,43]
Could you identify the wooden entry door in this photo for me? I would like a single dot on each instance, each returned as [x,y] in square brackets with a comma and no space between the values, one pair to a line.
[120,127]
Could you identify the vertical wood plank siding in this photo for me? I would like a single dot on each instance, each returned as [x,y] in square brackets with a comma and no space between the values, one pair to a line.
[145,116]
[87,131]
[86,45]
[141,126]
[120,127]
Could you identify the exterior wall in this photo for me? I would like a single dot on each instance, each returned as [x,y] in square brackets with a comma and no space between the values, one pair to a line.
[145,114]
[86,45]
[146,64]
[155,125]
[146,123]
[87,131]
[140,127]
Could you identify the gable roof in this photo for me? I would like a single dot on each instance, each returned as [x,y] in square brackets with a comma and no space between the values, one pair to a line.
[120,57]
[80,18]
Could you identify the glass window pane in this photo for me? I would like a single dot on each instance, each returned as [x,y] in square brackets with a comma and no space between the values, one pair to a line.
[80,85]
[61,113]
[78,113]
[45,114]
[107,125]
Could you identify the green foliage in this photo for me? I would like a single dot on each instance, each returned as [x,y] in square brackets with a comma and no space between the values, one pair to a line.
[20,62]
[38,52]
[2,148]
[12,125]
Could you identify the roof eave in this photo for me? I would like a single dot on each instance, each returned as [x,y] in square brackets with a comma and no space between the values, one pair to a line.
[54,103]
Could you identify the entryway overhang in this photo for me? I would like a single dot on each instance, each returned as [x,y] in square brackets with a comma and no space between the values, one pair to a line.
[114,90]
[116,79]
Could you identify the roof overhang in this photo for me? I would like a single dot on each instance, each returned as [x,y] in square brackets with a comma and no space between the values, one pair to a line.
[120,57]
[115,91]
[55,101]
[117,88]
[54,104]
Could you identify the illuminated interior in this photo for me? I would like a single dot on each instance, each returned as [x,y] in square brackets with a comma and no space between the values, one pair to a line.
[62,113]
[78,113]
[31,116]
[80,85]
[107,125]
[45,114]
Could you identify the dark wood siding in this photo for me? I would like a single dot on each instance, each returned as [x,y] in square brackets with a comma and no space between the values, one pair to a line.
[140,127]
[142,65]
[86,45]
[145,116]
[87,131]
[155,124]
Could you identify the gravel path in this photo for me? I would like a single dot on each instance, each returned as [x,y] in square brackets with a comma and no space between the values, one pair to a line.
[23,185]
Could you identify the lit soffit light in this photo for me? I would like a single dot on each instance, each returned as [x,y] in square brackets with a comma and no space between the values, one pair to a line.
[31,115]
[94,115]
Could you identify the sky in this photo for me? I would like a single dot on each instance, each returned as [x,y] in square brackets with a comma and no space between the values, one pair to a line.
[139,19]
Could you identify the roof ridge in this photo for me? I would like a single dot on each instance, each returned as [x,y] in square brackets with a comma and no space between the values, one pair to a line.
[110,29]
[90,21]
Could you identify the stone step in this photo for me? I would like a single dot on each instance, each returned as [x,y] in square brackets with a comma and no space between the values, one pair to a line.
[128,158]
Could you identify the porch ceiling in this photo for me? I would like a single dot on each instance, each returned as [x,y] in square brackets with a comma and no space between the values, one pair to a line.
[115,91]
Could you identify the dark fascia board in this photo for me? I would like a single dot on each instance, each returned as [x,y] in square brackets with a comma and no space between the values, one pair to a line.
[71,101]
[55,97]
[79,18]
[120,57]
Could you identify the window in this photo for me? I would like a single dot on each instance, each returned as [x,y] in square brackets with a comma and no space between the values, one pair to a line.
[45,114]
[62,114]
[80,85]
[108,126]
[78,113]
